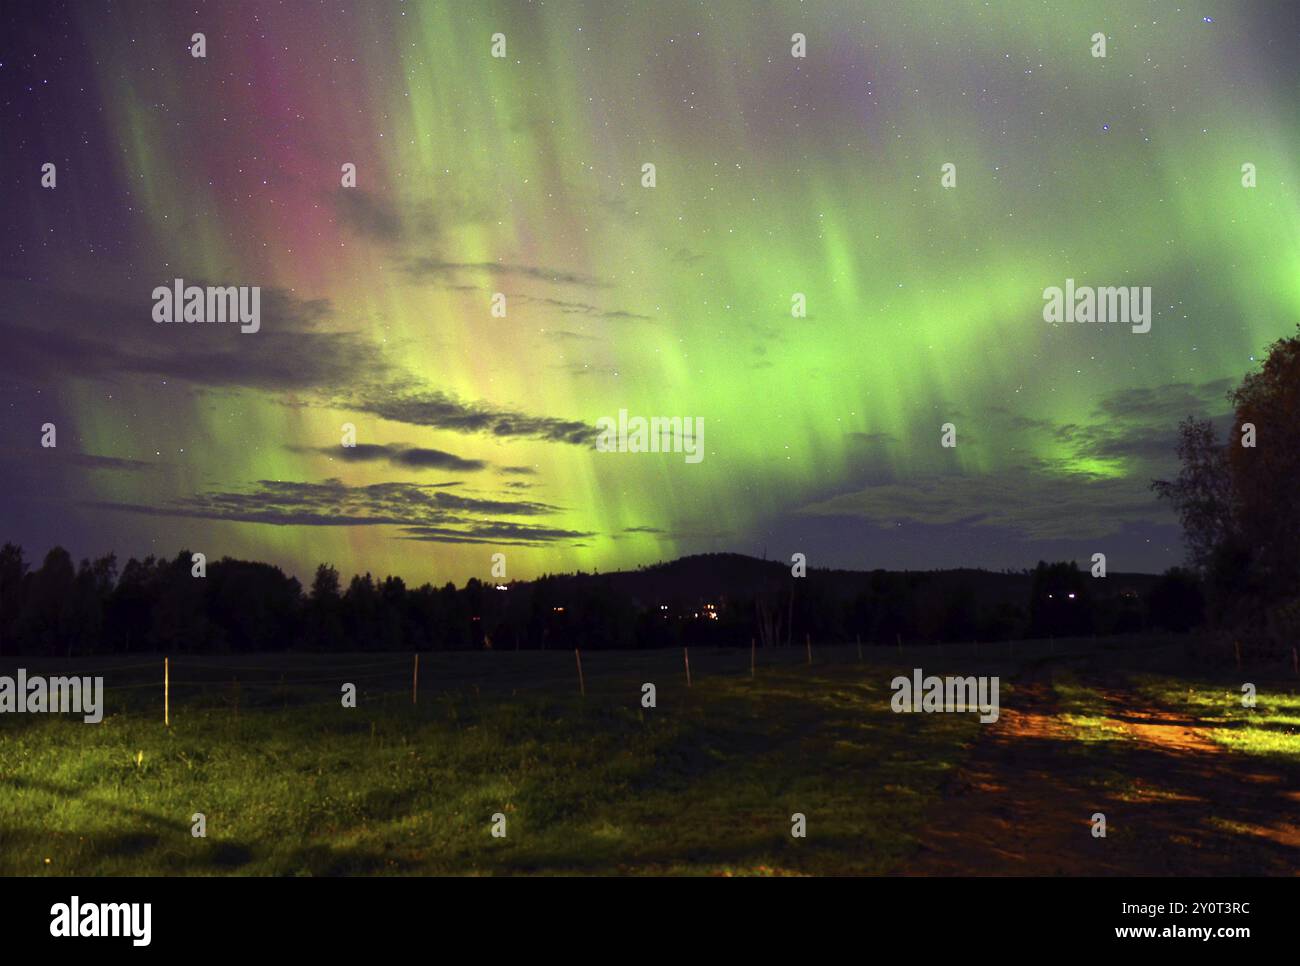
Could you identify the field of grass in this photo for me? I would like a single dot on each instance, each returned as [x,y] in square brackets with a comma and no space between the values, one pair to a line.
[1270,729]
[706,782]
[1084,712]
[291,783]
[1193,782]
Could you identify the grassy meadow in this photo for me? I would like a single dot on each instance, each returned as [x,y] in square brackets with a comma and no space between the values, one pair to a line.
[292,783]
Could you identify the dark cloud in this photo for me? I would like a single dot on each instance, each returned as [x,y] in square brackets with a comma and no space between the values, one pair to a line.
[367,214]
[1137,427]
[497,533]
[1140,425]
[582,308]
[443,411]
[502,507]
[420,458]
[439,269]
[398,455]
[89,462]
[401,218]
[109,336]
[1028,500]
[419,509]
[562,335]
[1093,483]
[1168,404]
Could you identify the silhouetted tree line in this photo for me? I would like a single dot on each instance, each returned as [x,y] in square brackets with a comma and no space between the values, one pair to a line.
[157,605]
[1239,504]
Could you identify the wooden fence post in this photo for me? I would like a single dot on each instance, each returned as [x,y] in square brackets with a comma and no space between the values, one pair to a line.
[582,685]
[167,692]
[415,681]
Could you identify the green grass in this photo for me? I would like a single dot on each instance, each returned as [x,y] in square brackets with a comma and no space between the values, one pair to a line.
[1270,729]
[291,783]
[1095,748]
[705,783]
[1085,712]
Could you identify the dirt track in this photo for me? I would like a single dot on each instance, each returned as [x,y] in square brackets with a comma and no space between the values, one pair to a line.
[1176,802]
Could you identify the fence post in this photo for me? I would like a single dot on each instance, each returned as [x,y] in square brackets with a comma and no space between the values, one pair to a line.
[807,639]
[415,681]
[167,692]
[686,655]
[582,685]
[752,656]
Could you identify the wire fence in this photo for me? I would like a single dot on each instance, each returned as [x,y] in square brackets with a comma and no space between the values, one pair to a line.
[293,680]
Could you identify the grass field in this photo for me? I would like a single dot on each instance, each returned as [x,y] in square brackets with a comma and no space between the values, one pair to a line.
[292,783]
[1271,728]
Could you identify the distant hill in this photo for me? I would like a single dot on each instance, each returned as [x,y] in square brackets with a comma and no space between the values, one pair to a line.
[716,575]
[160,605]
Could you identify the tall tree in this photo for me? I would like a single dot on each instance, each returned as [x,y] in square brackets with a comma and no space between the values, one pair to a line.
[1266,476]
[1238,501]
[1201,494]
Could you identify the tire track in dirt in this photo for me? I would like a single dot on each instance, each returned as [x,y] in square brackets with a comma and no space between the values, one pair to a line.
[1176,802]
[1254,802]
[1010,810]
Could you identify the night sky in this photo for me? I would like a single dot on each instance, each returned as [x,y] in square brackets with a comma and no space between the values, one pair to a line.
[522,175]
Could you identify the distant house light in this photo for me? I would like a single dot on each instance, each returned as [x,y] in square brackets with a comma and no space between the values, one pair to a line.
[557,610]
[1071,595]
[502,587]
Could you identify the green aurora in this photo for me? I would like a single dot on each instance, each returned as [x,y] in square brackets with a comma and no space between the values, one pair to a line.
[522,175]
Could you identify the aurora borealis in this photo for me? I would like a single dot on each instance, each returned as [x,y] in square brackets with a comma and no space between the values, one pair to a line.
[522,175]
